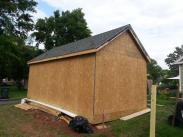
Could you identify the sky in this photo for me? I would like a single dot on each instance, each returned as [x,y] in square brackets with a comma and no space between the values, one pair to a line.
[157,23]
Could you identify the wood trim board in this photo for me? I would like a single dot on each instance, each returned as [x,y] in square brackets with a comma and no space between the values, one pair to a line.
[136,114]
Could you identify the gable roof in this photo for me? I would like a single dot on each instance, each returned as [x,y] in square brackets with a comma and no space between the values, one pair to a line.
[87,45]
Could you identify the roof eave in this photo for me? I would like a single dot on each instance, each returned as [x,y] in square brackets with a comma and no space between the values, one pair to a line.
[100,47]
[177,63]
[64,56]
[78,53]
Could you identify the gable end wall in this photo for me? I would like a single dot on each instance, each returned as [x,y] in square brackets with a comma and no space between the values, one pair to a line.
[120,86]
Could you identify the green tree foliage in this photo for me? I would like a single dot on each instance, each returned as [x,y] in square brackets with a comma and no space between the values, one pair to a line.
[154,71]
[14,57]
[15,18]
[15,23]
[173,69]
[60,29]
[27,53]
[171,58]
[167,83]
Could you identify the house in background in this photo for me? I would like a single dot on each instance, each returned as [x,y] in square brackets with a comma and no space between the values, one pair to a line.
[179,62]
[100,75]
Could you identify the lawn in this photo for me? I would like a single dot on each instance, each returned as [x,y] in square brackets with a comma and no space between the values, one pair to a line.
[15,93]
[18,123]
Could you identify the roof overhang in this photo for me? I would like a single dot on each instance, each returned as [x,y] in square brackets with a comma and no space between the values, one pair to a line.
[64,56]
[175,78]
[146,56]
[129,28]
[177,63]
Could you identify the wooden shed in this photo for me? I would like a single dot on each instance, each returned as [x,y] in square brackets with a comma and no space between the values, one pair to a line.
[101,74]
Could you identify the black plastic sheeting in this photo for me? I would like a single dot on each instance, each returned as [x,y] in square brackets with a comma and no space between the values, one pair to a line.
[80,125]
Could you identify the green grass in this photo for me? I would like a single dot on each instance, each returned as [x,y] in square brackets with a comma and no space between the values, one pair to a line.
[15,93]
[139,127]
[12,120]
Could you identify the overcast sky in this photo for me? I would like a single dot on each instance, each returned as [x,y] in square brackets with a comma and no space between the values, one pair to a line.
[158,23]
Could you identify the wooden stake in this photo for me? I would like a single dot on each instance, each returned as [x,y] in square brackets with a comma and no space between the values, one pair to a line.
[153,111]
[103,118]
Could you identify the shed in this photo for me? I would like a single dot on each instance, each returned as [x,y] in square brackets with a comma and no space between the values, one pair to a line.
[102,75]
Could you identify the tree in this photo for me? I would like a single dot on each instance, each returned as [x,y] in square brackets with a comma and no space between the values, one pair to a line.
[15,18]
[14,57]
[9,55]
[172,57]
[167,83]
[154,71]
[15,23]
[61,29]
[27,53]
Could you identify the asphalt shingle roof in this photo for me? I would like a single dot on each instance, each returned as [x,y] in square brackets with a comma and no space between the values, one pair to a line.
[89,43]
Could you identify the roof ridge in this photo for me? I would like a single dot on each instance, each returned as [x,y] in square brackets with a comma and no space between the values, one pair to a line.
[70,44]
[128,25]
[87,44]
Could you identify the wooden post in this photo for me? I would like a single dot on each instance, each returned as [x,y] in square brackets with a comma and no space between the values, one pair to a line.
[153,111]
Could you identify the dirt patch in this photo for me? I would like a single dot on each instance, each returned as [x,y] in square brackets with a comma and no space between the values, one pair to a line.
[44,120]
[47,125]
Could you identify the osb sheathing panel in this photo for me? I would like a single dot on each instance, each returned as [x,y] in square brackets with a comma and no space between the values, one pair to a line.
[66,83]
[120,84]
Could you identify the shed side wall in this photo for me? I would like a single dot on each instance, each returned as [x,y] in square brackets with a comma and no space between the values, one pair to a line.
[66,83]
[120,79]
